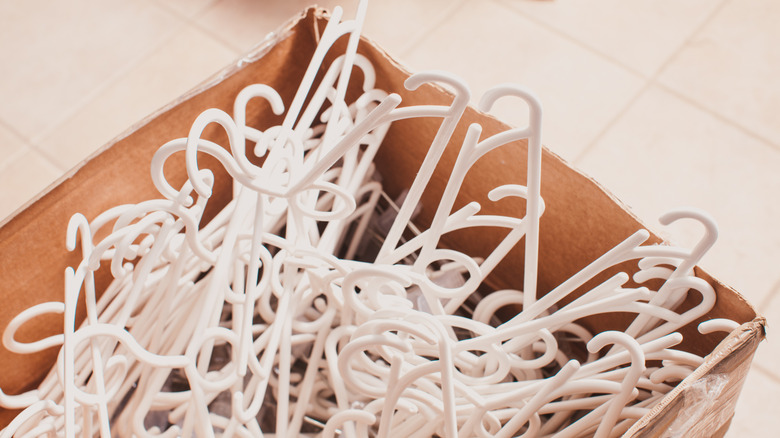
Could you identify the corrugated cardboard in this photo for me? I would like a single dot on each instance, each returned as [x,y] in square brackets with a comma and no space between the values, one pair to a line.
[581,221]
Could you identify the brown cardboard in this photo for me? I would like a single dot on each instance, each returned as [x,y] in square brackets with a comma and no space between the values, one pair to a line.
[581,221]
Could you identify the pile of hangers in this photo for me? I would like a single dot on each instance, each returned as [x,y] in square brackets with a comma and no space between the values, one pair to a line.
[269,321]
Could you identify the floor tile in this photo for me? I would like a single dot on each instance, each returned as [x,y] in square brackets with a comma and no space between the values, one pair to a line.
[664,153]
[398,25]
[244,23]
[24,178]
[179,64]
[10,146]
[487,44]
[768,355]
[641,34]
[54,61]
[186,8]
[394,25]
[759,403]
[732,66]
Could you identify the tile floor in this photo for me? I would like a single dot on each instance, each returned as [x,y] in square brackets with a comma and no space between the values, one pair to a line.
[667,102]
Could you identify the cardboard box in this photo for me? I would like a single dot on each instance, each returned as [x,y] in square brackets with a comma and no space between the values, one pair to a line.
[581,221]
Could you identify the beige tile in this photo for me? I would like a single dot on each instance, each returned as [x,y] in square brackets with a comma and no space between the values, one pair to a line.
[757,410]
[244,23]
[398,25]
[57,53]
[732,66]
[22,179]
[178,65]
[186,8]
[641,34]
[768,355]
[664,153]
[488,44]
[395,25]
[10,146]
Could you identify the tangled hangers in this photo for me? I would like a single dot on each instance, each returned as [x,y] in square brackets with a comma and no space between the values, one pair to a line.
[261,322]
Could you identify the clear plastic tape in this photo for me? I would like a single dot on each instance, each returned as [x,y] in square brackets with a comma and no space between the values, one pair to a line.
[704,403]
[707,405]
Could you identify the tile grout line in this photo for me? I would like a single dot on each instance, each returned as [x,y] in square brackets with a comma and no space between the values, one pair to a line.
[193,21]
[117,79]
[33,143]
[420,36]
[49,159]
[611,123]
[775,289]
[595,51]
[715,11]
[183,23]
[721,118]
[745,130]
[769,374]
[592,49]
[26,145]
[765,303]
[12,129]
[215,37]
[651,81]
[113,79]
[164,5]
[13,156]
